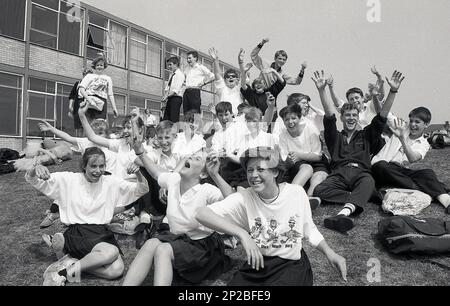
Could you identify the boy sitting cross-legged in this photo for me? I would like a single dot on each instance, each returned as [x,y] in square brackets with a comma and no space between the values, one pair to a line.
[390,167]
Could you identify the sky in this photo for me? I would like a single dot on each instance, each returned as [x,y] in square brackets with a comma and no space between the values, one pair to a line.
[413,36]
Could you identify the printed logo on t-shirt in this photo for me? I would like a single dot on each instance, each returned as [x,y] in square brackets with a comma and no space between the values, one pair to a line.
[273,236]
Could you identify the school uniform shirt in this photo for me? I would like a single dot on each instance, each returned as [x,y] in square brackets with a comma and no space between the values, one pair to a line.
[110,157]
[82,202]
[95,84]
[263,139]
[307,142]
[196,75]
[316,118]
[125,156]
[232,95]
[181,209]
[362,146]
[393,151]
[277,228]
[183,146]
[176,85]
[151,120]
[164,161]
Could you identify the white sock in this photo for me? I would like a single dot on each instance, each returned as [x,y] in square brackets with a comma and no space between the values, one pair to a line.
[444,199]
[347,210]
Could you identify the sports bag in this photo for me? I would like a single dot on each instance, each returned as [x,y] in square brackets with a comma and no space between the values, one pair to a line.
[404,234]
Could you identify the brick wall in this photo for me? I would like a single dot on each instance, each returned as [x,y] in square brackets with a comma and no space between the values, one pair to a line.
[52,61]
[12,52]
[11,143]
[144,83]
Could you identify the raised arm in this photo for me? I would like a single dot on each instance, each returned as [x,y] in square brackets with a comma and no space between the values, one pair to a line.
[319,80]
[212,166]
[401,131]
[256,59]
[90,134]
[379,84]
[153,169]
[297,80]
[242,69]
[215,56]
[337,103]
[44,126]
[111,98]
[394,83]
[268,115]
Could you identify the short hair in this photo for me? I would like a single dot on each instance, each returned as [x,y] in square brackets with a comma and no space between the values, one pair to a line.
[165,125]
[257,80]
[223,107]
[87,71]
[231,71]
[354,90]
[253,113]
[88,154]
[127,119]
[99,58]
[193,53]
[291,109]
[422,113]
[265,153]
[296,97]
[100,125]
[280,52]
[242,106]
[348,106]
[174,60]
[189,116]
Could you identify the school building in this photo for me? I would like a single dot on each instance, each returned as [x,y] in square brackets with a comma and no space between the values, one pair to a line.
[44,46]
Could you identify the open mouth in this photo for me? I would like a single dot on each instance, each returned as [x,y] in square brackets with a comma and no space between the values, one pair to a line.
[187,165]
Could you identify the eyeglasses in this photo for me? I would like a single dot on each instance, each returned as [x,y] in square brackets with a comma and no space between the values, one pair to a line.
[231,76]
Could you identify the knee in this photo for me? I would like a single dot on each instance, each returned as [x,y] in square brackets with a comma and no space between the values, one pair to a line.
[164,250]
[150,245]
[306,169]
[115,270]
[380,166]
[369,182]
[109,252]
[318,177]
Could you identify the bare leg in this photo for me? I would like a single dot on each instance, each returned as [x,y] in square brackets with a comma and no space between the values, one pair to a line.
[141,265]
[317,178]
[111,271]
[304,174]
[163,265]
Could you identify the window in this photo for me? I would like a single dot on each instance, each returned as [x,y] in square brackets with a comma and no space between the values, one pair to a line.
[145,53]
[41,104]
[154,106]
[136,102]
[121,105]
[10,104]
[12,18]
[208,64]
[107,37]
[63,121]
[173,50]
[57,24]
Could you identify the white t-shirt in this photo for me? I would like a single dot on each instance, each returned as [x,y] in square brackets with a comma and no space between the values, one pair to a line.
[110,156]
[162,160]
[183,146]
[81,202]
[95,84]
[393,151]
[307,142]
[196,75]
[277,228]
[125,156]
[263,139]
[226,94]
[181,209]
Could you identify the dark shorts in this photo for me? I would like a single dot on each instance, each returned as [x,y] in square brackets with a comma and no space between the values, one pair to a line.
[197,260]
[80,239]
[321,165]
[277,272]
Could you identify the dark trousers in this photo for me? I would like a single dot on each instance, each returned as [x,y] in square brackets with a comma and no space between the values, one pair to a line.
[172,111]
[393,175]
[192,100]
[347,185]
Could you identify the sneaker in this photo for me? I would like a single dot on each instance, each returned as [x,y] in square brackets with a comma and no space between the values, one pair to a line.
[58,244]
[339,223]
[49,220]
[51,276]
[314,202]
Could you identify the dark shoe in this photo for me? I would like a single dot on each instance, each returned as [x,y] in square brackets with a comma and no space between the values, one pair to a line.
[314,202]
[141,238]
[339,223]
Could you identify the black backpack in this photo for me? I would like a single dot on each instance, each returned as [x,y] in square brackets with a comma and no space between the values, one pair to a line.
[8,154]
[404,234]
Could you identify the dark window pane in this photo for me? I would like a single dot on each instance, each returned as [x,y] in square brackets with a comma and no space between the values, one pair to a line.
[53,4]
[36,105]
[96,38]
[154,105]
[38,85]
[44,20]
[33,128]
[10,80]
[137,101]
[10,101]
[63,122]
[137,56]
[12,18]
[98,20]
[50,108]
[43,39]
[69,35]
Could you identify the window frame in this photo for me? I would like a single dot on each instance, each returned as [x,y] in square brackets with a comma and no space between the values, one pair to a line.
[19,103]
[148,46]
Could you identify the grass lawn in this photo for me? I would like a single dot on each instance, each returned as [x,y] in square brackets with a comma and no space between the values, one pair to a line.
[24,256]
